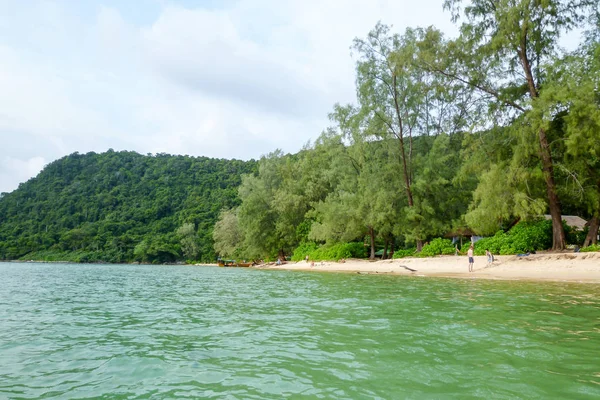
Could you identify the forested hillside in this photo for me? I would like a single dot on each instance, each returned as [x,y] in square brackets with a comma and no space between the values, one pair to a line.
[120,207]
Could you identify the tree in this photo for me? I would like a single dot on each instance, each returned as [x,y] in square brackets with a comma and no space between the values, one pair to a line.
[227,235]
[400,100]
[440,198]
[502,49]
[363,196]
[387,97]
[571,101]
[188,239]
[265,213]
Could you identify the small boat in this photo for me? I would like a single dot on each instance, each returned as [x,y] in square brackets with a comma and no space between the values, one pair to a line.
[233,263]
[243,264]
[226,263]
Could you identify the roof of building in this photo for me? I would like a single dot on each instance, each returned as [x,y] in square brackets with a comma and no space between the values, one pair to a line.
[572,220]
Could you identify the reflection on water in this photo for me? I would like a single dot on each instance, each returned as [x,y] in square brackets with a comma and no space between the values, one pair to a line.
[123,331]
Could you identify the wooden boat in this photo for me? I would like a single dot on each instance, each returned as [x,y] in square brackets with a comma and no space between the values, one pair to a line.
[226,263]
[233,263]
[244,264]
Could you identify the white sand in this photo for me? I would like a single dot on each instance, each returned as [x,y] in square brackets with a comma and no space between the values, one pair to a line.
[572,267]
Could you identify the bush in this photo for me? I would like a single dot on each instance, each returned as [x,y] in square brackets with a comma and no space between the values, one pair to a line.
[303,249]
[493,243]
[438,247]
[523,237]
[333,252]
[593,247]
[527,236]
[401,253]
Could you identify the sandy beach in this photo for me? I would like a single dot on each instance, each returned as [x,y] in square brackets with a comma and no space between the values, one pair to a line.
[568,267]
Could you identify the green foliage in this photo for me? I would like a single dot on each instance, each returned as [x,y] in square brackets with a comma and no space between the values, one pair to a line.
[438,200]
[575,236]
[77,256]
[523,237]
[590,248]
[402,253]
[329,252]
[227,235]
[119,207]
[528,236]
[398,99]
[438,247]
[188,240]
[501,196]
[304,249]
[272,216]
[504,52]
[573,89]
[494,244]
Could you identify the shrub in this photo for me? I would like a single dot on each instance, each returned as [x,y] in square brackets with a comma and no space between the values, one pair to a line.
[493,243]
[303,249]
[437,247]
[593,247]
[523,237]
[335,251]
[401,253]
[527,236]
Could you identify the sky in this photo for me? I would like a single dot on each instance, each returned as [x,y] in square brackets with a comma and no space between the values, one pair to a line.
[223,79]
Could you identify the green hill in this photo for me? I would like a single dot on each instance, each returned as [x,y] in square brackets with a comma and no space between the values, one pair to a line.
[119,207]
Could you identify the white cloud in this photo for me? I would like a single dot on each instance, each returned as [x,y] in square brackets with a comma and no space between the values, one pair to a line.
[35,98]
[19,170]
[235,81]
[203,51]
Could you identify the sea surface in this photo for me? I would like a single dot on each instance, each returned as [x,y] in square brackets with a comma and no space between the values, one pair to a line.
[155,332]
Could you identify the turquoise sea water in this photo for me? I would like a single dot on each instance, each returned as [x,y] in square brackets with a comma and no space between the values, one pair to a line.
[139,332]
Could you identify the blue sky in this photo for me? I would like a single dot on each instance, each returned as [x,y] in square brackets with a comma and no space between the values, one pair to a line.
[226,79]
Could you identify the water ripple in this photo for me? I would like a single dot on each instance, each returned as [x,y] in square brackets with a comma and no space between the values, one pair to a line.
[153,332]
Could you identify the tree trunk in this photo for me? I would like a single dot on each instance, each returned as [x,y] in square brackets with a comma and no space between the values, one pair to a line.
[406,168]
[372,237]
[558,232]
[592,236]
[385,249]
[419,245]
[393,247]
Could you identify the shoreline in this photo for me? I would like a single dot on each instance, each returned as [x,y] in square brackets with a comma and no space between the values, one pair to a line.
[541,267]
[552,267]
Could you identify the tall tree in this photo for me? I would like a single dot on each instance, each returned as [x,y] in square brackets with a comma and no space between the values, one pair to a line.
[366,199]
[441,199]
[502,48]
[274,205]
[400,100]
[385,96]
[571,103]
[227,236]
[188,240]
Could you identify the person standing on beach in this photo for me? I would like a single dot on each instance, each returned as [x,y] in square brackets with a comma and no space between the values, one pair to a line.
[490,256]
[470,255]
